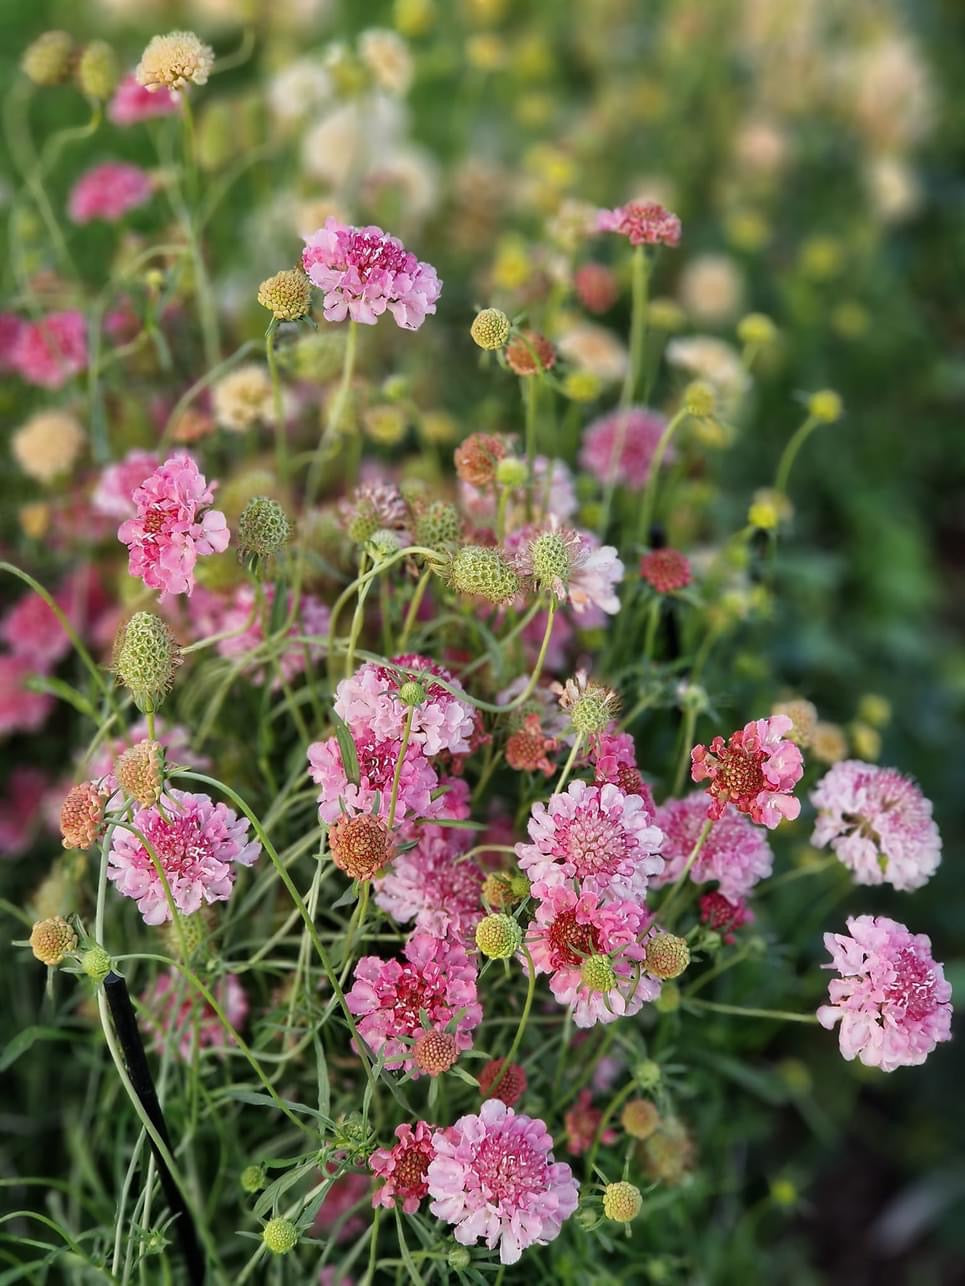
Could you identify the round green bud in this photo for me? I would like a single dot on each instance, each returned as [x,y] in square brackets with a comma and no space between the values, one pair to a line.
[756,329]
[145,659]
[395,388]
[519,886]
[551,560]
[647,1074]
[490,329]
[252,1178]
[98,71]
[383,544]
[287,295]
[826,406]
[48,60]
[96,964]
[437,525]
[622,1202]
[588,1218]
[458,1258]
[263,528]
[412,693]
[598,974]
[666,314]
[667,956]
[668,1002]
[510,471]
[280,1236]
[483,571]
[498,936]
[700,399]
[582,386]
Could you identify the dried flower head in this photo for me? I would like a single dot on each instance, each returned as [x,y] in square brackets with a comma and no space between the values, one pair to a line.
[82,815]
[140,772]
[528,748]
[437,524]
[52,940]
[530,353]
[509,1086]
[48,59]
[145,658]
[639,1118]
[434,1052]
[287,295]
[590,705]
[48,445]
[803,717]
[491,328]
[373,507]
[263,528]
[477,458]
[361,845]
[173,61]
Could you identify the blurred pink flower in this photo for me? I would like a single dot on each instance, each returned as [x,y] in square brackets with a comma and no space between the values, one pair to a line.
[21,809]
[108,192]
[114,493]
[582,1121]
[434,887]
[735,853]
[618,447]
[20,709]
[643,223]
[48,352]
[171,1005]
[133,103]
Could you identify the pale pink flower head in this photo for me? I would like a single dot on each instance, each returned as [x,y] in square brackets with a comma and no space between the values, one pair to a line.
[643,223]
[387,996]
[368,701]
[434,886]
[132,103]
[494,1178]
[568,928]
[50,351]
[108,192]
[568,563]
[597,836]
[20,709]
[172,526]
[878,823]
[618,447]
[756,770]
[735,853]
[199,845]
[114,493]
[614,756]
[20,809]
[403,1168]
[364,272]
[170,1004]
[32,631]
[891,1000]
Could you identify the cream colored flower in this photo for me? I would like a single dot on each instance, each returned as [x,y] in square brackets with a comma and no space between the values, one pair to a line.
[387,57]
[595,349]
[171,61]
[243,398]
[48,445]
[712,289]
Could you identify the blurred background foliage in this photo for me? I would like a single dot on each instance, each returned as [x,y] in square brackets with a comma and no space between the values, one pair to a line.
[817,147]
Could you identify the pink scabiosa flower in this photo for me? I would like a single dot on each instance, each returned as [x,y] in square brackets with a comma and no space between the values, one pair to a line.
[108,192]
[891,1000]
[614,756]
[571,928]
[878,823]
[199,845]
[171,1006]
[723,917]
[643,223]
[32,631]
[570,564]
[418,780]
[132,103]
[10,327]
[403,1168]
[618,447]
[735,853]
[364,272]
[369,701]
[666,570]
[433,886]
[388,995]
[234,613]
[756,770]
[596,835]
[113,495]
[20,709]
[494,1177]
[582,1121]
[50,351]
[172,526]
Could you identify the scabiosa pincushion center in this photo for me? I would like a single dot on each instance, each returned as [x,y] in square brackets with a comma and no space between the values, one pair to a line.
[403,1168]
[363,272]
[756,770]
[199,846]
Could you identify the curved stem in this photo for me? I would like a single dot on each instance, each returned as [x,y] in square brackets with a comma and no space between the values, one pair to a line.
[399,760]
[783,1015]
[640,273]
[523,1020]
[68,629]
[650,491]
[686,744]
[681,880]
[789,454]
[334,418]
[414,604]
[568,766]
[281,440]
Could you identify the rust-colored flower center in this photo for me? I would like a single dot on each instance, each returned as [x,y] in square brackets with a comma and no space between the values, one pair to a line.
[741,774]
[570,942]
[410,1169]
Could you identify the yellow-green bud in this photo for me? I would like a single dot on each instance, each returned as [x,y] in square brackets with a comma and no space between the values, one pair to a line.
[621,1202]
[51,940]
[647,1074]
[383,544]
[598,974]
[700,399]
[640,1118]
[668,1002]
[386,423]
[145,658]
[483,571]
[666,314]
[98,71]
[263,528]
[437,525]
[825,406]
[667,956]
[768,509]
[458,1258]
[412,693]
[510,471]
[253,1178]
[582,386]
[874,709]
[96,963]
[592,711]
[865,740]
[519,886]
[756,329]
[280,1236]
[287,295]
[490,329]
[588,1218]
[498,936]
[48,60]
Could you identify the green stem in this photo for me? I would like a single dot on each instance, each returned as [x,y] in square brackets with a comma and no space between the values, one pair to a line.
[784,1015]
[414,604]
[640,273]
[358,618]
[65,624]
[524,1019]
[653,622]
[686,744]
[681,880]
[568,766]
[281,439]
[334,418]
[399,760]
[529,401]
[650,491]
[789,454]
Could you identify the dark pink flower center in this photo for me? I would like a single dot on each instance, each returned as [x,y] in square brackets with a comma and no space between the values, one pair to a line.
[181,846]
[571,942]
[366,253]
[913,989]
[414,991]
[508,1168]
[595,843]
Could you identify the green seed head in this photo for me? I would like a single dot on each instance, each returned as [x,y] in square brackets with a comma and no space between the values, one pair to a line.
[551,560]
[412,693]
[498,936]
[145,659]
[280,1236]
[825,406]
[598,973]
[48,60]
[438,525]
[252,1178]
[98,71]
[511,471]
[263,528]
[483,571]
[490,329]
[96,963]
[287,295]
[667,956]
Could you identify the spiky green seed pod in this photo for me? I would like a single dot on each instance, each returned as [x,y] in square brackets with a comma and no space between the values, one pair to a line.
[511,471]
[98,70]
[96,963]
[490,329]
[48,60]
[280,1236]
[498,936]
[598,974]
[412,693]
[438,525]
[145,659]
[551,560]
[263,528]
[252,1178]
[483,571]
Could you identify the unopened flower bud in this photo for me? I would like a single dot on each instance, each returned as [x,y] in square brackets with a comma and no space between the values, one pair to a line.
[582,386]
[253,1178]
[458,1258]
[668,1002]
[511,472]
[280,1236]
[768,509]
[382,544]
[756,329]
[667,956]
[647,1074]
[96,964]
[52,940]
[145,659]
[287,295]
[621,1202]
[498,936]
[483,571]
[826,406]
[598,974]
[700,399]
[412,693]
[263,528]
[588,1218]
[666,314]
[48,59]
[490,329]
[98,71]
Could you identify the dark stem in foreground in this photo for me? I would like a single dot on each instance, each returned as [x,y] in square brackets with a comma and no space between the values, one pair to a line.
[125,1024]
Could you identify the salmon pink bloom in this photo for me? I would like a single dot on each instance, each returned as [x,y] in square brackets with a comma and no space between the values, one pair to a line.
[108,192]
[369,702]
[403,1167]
[582,1121]
[756,770]
[114,493]
[172,526]
[364,272]
[434,887]
[892,1000]
[494,1177]
[643,223]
